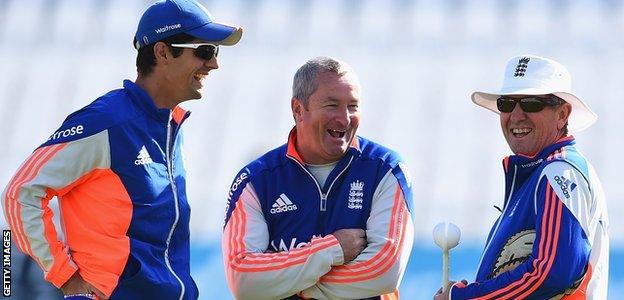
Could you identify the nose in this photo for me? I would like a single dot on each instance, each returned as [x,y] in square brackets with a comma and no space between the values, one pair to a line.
[212,63]
[343,116]
[517,113]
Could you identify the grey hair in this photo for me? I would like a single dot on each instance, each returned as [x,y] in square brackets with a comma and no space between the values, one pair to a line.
[305,81]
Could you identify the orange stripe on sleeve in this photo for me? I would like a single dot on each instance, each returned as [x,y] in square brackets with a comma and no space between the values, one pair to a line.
[542,245]
[387,246]
[240,260]
[543,257]
[377,270]
[10,202]
[385,258]
[11,205]
[265,258]
[288,263]
[552,254]
[231,232]
[230,240]
[28,172]
[286,257]
[95,226]
[239,230]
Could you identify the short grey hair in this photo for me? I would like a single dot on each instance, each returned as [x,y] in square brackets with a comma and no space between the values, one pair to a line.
[305,81]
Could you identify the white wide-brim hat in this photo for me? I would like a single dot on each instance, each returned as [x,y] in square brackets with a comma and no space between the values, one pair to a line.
[534,75]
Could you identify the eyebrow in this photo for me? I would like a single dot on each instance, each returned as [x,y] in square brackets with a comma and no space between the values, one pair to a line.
[334,100]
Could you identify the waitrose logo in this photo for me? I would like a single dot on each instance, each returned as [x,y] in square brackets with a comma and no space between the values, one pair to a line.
[168,27]
[63,133]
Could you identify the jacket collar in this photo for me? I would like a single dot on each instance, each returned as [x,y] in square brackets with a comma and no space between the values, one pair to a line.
[291,149]
[519,168]
[550,152]
[142,99]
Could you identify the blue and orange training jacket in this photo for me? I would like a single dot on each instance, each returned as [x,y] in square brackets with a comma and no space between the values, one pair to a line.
[116,168]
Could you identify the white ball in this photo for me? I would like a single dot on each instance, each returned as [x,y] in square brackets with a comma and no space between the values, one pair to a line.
[446,235]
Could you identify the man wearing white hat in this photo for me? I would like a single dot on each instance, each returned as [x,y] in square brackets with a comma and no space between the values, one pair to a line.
[551,239]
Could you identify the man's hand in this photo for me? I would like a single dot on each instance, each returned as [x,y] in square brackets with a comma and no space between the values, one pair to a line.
[77,285]
[352,242]
[445,296]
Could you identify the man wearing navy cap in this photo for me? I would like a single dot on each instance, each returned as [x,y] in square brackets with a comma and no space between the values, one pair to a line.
[116,169]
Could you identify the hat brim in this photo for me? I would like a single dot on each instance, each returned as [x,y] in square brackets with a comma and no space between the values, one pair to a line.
[220,34]
[580,118]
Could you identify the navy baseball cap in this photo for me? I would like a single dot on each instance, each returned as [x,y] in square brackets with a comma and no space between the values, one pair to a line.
[166,18]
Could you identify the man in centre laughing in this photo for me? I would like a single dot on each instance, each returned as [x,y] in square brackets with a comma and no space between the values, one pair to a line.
[326,215]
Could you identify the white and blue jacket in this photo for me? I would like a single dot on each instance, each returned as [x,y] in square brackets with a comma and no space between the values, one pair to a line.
[277,240]
[556,201]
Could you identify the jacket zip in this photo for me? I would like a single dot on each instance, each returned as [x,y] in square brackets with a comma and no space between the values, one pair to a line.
[511,192]
[323,203]
[324,199]
[175,198]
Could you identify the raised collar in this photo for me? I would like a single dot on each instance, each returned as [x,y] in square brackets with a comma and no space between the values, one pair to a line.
[292,149]
[555,150]
[142,99]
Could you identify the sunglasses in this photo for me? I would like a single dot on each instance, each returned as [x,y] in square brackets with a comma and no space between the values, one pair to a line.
[204,50]
[527,104]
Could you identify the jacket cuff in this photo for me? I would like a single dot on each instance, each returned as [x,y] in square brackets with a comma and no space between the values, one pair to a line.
[458,284]
[336,251]
[61,272]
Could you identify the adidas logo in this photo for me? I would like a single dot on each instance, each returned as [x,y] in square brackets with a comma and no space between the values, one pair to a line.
[143,158]
[282,204]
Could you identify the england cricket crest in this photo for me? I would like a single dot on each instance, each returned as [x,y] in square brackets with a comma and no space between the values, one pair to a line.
[356,194]
[523,63]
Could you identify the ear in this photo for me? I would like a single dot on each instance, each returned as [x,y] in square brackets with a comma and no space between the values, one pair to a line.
[297,109]
[162,53]
[563,113]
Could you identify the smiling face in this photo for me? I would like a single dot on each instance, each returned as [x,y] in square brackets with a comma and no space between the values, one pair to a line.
[327,126]
[185,74]
[529,133]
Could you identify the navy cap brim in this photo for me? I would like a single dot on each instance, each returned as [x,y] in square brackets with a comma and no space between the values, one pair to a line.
[218,33]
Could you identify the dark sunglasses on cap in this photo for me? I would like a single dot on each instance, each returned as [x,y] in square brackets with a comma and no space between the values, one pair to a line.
[528,104]
[204,50]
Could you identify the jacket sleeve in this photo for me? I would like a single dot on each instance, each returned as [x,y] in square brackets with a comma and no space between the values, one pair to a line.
[379,268]
[51,170]
[559,260]
[254,273]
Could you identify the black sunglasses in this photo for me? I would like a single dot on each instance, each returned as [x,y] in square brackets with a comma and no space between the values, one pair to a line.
[527,104]
[204,50]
